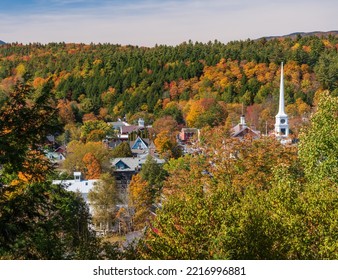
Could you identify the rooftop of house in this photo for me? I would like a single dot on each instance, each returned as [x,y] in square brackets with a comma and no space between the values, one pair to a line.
[77,184]
[239,130]
[129,129]
[189,130]
[139,142]
[126,164]
[132,164]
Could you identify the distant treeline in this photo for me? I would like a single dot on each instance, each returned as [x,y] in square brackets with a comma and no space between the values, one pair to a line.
[117,81]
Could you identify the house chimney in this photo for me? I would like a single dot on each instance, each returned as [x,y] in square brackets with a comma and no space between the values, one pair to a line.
[141,122]
[77,176]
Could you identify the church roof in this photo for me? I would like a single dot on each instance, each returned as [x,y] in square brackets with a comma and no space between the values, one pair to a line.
[240,130]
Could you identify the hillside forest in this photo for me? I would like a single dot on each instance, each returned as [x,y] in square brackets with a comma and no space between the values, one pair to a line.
[232,199]
[111,81]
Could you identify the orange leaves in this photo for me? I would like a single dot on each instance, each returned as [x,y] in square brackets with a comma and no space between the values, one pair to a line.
[307,49]
[92,166]
[89,117]
[66,111]
[165,123]
[220,76]
[203,112]
[38,82]
[137,192]
[35,168]
[92,157]
[298,109]
[263,72]
[108,96]
[173,90]
[140,199]
[180,86]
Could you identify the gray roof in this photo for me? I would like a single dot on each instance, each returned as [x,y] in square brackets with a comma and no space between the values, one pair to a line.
[130,128]
[238,129]
[189,130]
[131,163]
[118,124]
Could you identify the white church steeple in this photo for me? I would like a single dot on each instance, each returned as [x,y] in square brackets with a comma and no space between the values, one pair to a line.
[282,124]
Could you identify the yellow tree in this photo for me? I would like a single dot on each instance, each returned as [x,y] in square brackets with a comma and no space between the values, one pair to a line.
[103,198]
[140,200]
[76,151]
[195,110]
[165,144]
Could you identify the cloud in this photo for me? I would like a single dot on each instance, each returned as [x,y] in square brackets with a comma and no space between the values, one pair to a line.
[170,22]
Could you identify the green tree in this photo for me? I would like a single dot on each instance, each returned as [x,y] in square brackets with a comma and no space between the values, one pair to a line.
[154,174]
[96,130]
[318,146]
[122,150]
[327,71]
[38,220]
[215,203]
[44,221]
[24,124]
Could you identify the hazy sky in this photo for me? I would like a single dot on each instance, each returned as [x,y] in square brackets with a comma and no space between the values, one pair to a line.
[147,22]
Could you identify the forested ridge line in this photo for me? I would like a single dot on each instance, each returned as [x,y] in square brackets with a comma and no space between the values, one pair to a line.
[114,81]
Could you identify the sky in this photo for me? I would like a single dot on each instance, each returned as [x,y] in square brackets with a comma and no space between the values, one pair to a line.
[170,22]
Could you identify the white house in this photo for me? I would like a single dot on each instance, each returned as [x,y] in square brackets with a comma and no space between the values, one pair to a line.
[78,185]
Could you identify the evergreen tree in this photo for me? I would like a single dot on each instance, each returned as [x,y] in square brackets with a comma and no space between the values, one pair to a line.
[122,150]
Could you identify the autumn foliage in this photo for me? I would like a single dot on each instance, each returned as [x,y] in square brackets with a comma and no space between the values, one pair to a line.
[93,168]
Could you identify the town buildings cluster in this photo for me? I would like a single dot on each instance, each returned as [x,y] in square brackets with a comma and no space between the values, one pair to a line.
[125,168]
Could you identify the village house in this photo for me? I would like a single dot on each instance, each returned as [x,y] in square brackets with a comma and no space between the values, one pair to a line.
[241,130]
[125,168]
[186,134]
[78,184]
[142,146]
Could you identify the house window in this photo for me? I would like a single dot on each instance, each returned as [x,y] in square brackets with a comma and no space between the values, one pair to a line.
[283,131]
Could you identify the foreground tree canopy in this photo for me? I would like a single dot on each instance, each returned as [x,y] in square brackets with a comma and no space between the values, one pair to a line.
[252,199]
[233,199]
[38,220]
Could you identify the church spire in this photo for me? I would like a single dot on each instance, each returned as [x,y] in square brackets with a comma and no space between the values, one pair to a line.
[281,125]
[281,93]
